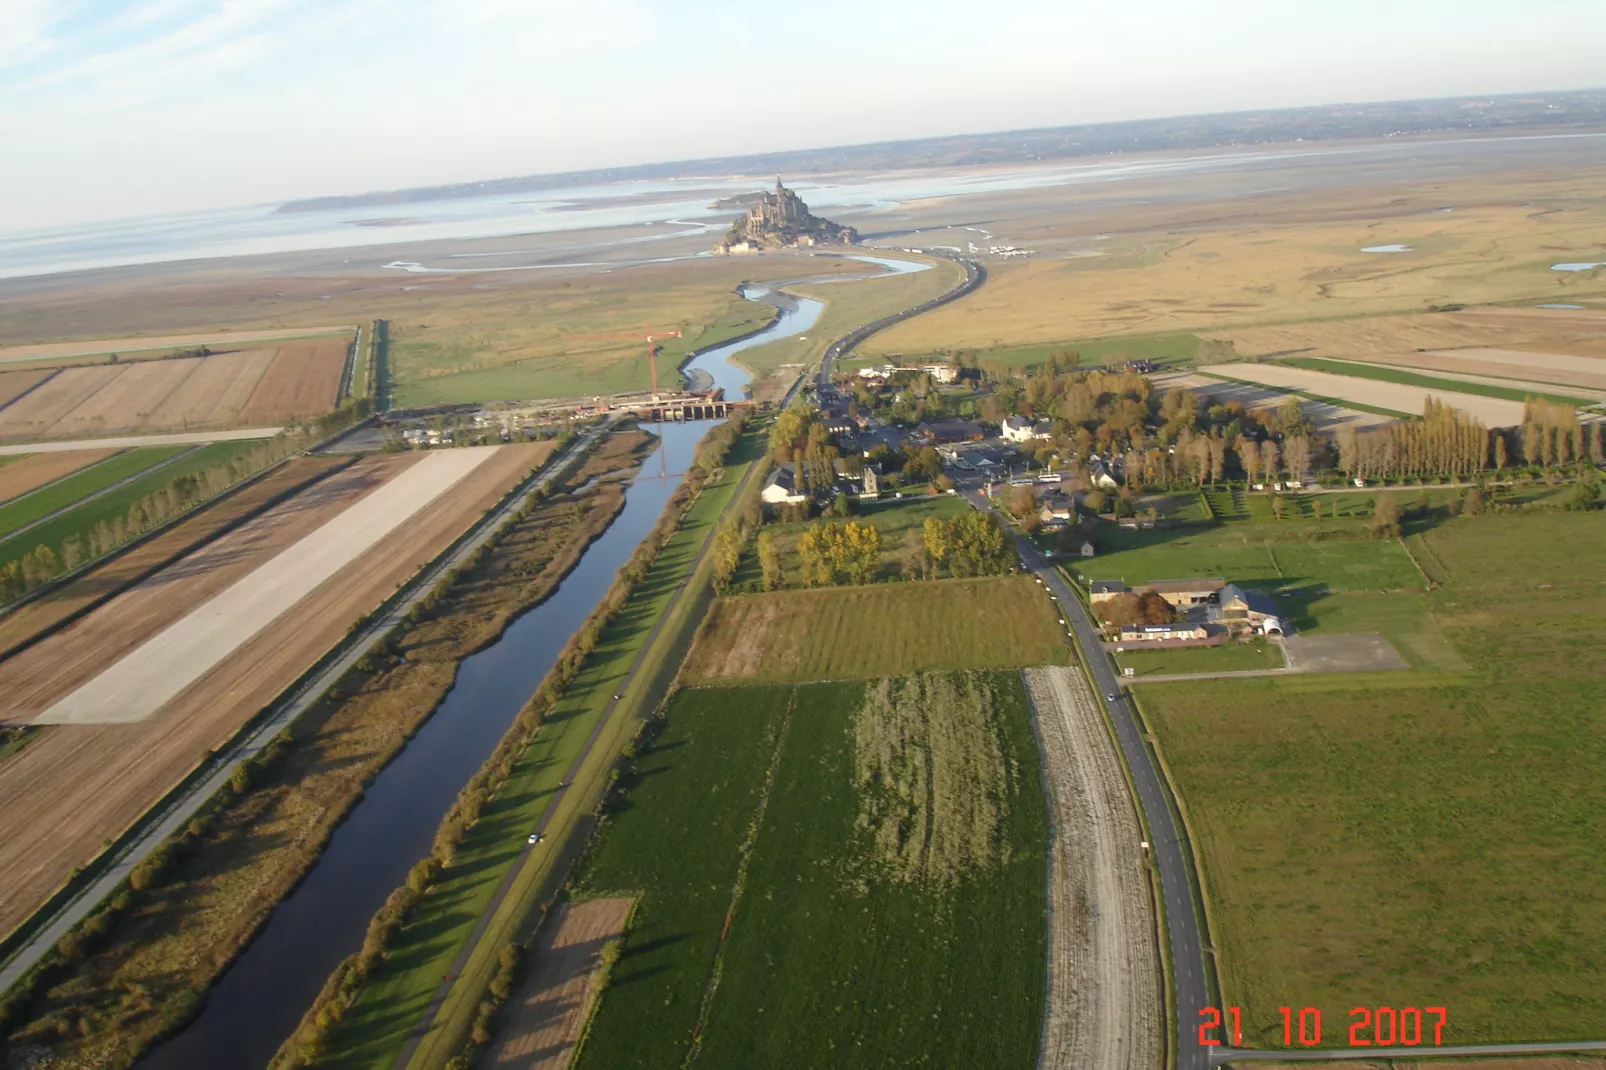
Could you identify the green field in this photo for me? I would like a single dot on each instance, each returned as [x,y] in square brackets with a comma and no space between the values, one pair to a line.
[1288,554]
[118,502]
[397,993]
[843,948]
[62,493]
[1367,846]
[893,517]
[1232,657]
[1430,382]
[1170,350]
[858,632]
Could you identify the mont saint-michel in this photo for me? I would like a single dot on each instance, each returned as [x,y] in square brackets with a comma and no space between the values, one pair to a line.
[781,220]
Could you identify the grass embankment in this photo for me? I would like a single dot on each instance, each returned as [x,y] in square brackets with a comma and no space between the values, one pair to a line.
[1360,849]
[1170,350]
[81,484]
[1427,382]
[889,909]
[148,974]
[399,991]
[850,304]
[858,632]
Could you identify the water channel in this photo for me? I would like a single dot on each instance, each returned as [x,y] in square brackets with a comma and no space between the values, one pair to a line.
[261,997]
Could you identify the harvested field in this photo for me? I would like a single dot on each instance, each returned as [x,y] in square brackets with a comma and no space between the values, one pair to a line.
[193,438]
[856,632]
[77,786]
[1494,412]
[217,339]
[216,390]
[1325,416]
[149,676]
[543,1021]
[26,621]
[1105,992]
[301,381]
[34,415]
[1504,364]
[13,384]
[37,469]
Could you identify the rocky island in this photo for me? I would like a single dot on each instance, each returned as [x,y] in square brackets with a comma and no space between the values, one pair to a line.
[781,220]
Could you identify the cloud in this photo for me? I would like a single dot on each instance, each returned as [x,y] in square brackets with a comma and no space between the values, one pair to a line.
[25,27]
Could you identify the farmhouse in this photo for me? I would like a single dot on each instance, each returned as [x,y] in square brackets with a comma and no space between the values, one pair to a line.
[1159,633]
[781,488]
[1020,429]
[1245,610]
[1104,590]
[1185,593]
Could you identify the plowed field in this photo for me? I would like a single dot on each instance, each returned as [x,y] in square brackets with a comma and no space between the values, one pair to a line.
[79,785]
[37,469]
[302,381]
[544,1020]
[218,339]
[1494,412]
[15,383]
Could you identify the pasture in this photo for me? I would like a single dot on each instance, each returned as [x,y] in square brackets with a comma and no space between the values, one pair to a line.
[27,472]
[77,486]
[901,955]
[1364,847]
[858,632]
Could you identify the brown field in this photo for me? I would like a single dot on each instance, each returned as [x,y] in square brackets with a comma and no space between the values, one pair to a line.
[37,469]
[543,1021]
[216,339]
[1320,413]
[253,387]
[1519,366]
[302,381]
[1494,412]
[26,621]
[75,787]
[14,383]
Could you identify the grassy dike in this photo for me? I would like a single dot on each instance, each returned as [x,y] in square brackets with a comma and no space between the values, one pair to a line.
[493,890]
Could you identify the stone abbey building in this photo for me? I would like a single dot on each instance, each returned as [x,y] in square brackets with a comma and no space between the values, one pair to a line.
[781,220]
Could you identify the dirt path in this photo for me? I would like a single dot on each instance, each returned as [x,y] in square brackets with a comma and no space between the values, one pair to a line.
[543,1022]
[1104,987]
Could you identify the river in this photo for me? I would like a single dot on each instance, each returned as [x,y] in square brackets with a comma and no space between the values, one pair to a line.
[260,999]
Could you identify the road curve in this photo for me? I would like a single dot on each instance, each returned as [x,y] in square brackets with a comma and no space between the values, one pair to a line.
[1190,984]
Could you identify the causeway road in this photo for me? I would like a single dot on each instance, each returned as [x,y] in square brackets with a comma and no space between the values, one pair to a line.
[1191,987]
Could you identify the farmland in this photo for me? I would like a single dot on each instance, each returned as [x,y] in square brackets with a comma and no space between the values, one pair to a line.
[934,954]
[79,785]
[259,843]
[1387,396]
[1323,414]
[1429,382]
[91,480]
[1363,850]
[34,470]
[1537,370]
[253,387]
[858,632]
[50,352]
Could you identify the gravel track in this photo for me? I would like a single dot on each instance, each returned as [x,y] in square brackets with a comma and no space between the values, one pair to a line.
[1104,987]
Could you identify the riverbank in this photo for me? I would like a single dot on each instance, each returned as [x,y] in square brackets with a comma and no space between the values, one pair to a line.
[173,937]
[488,895]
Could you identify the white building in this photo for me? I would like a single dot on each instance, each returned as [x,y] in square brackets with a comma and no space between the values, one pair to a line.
[1020,429]
[781,487]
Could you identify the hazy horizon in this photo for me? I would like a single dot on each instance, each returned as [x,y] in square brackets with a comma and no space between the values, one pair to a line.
[183,105]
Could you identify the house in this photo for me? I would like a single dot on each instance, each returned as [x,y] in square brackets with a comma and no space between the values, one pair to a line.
[1155,633]
[1088,549]
[1056,507]
[1102,476]
[878,371]
[941,373]
[949,431]
[871,479]
[1020,429]
[1184,593]
[1104,590]
[783,487]
[1246,610]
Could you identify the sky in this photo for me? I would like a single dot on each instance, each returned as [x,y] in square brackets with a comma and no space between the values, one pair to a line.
[124,108]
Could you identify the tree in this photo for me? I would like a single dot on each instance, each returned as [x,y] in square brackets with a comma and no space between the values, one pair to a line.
[769,561]
[935,536]
[1022,502]
[1296,457]
[1136,608]
[1386,518]
[1248,451]
[1268,460]
[727,555]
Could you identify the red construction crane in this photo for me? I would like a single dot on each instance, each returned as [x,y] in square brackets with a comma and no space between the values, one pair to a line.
[651,334]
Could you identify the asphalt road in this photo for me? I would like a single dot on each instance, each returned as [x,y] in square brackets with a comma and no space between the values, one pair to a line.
[177,809]
[1191,990]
